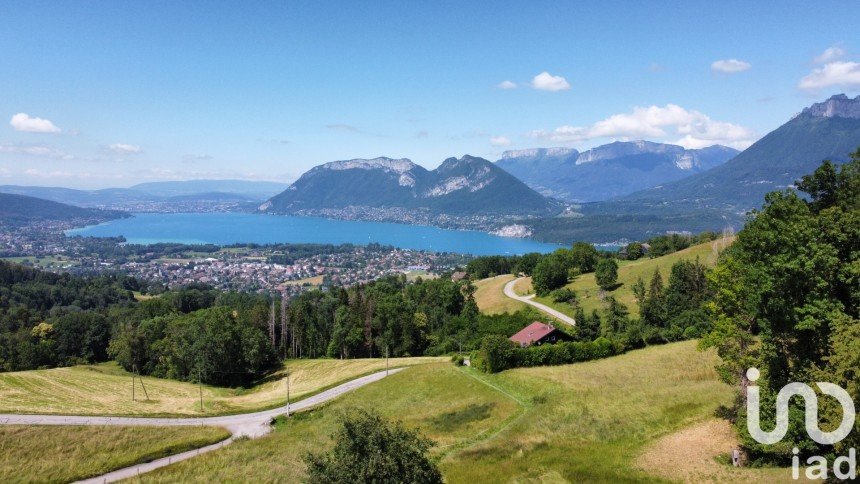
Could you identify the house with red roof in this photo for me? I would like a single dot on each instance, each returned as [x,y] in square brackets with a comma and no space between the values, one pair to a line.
[539,333]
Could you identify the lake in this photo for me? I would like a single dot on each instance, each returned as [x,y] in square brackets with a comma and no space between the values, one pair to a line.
[231,228]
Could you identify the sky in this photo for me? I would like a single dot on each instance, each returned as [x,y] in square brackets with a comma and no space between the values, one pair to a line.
[110,94]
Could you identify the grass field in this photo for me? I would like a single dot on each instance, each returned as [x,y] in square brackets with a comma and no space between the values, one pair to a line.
[105,389]
[490,296]
[47,262]
[307,281]
[448,405]
[585,422]
[65,454]
[591,297]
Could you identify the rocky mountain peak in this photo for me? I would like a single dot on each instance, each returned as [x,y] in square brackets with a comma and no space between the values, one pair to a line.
[539,152]
[838,106]
[401,165]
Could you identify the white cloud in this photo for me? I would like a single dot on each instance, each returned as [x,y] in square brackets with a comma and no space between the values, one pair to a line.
[5,172]
[830,54]
[125,149]
[688,128]
[500,141]
[506,85]
[730,66]
[548,82]
[23,122]
[40,151]
[843,74]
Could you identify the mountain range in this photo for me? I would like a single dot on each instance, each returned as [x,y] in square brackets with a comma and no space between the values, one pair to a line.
[234,191]
[828,130]
[459,187]
[610,170]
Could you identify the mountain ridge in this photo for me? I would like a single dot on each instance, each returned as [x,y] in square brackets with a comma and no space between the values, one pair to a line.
[458,186]
[609,170]
[824,130]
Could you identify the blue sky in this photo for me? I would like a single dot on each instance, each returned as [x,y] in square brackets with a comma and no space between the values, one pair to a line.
[97,94]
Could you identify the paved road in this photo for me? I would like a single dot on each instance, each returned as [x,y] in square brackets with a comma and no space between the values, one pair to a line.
[509,291]
[251,425]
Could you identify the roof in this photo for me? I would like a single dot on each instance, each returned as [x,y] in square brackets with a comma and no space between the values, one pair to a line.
[531,333]
[458,276]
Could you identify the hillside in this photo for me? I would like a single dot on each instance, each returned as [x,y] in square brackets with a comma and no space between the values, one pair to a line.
[17,210]
[492,300]
[586,422]
[71,453]
[461,187]
[610,170]
[104,389]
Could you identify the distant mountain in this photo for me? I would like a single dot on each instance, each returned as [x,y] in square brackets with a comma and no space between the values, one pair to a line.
[609,170]
[461,187]
[16,210]
[82,198]
[254,190]
[826,130]
[159,196]
[721,196]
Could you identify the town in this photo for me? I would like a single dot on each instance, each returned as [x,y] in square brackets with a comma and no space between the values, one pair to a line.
[287,268]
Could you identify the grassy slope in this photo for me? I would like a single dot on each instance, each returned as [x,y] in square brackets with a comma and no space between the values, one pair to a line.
[448,405]
[491,298]
[590,296]
[106,389]
[584,422]
[64,454]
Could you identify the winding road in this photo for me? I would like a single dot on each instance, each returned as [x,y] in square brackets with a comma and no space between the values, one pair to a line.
[252,425]
[509,291]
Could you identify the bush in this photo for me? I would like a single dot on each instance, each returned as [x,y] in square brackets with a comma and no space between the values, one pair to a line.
[369,449]
[497,354]
[563,295]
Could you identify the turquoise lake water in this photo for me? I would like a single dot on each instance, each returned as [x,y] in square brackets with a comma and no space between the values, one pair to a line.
[230,228]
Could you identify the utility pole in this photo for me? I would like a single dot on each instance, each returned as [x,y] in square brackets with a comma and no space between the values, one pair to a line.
[386,360]
[135,372]
[200,386]
[288,394]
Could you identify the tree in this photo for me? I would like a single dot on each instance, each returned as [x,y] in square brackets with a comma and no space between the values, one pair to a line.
[606,274]
[584,256]
[369,449]
[550,273]
[633,251]
[786,297]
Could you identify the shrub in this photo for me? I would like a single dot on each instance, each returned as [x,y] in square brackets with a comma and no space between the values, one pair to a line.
[563,295]
[497,354]
[369,449]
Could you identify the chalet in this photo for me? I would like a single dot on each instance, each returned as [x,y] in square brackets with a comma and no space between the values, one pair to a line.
[539,333]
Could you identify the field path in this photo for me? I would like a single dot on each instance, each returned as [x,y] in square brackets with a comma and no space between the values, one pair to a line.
[251,425]
[509,291]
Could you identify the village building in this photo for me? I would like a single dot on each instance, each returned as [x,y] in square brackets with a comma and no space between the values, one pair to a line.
[539,333]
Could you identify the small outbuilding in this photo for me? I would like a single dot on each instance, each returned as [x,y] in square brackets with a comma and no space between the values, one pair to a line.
[539,333]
